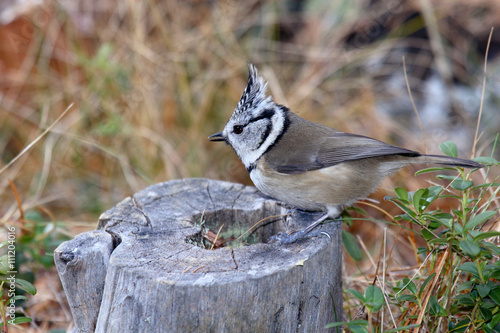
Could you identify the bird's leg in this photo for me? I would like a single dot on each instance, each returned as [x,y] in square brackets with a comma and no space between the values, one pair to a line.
[288,239]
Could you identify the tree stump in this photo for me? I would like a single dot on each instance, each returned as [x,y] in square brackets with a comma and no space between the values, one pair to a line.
[149,267]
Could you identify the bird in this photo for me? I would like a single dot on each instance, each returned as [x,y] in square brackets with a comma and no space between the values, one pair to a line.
[309,166]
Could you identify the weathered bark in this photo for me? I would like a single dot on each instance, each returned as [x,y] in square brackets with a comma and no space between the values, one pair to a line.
[159,280]
[82,264]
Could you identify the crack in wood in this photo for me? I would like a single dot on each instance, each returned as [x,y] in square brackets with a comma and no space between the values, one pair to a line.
[234,259]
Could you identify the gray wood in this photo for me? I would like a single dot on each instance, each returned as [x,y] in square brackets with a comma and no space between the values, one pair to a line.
[82,264]
[159,280]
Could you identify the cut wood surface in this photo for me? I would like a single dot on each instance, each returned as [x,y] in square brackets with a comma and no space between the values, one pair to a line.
[147,267]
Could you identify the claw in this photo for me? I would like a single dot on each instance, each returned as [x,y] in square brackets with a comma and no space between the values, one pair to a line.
[326,234]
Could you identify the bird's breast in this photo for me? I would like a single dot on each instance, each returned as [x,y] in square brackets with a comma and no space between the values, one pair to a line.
[316,190]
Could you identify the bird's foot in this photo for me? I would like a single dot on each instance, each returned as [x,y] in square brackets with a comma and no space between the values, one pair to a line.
[283,238]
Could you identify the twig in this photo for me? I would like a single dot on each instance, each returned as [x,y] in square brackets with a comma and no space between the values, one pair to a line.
[377,208]
[366,251]
[384,272]
[256,224]
[413,105]
[428,292]
[196,270]
[32,143]
[139,208]
[16,194]
[216,237]
[482,94]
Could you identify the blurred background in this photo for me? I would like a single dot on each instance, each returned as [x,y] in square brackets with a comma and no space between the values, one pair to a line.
[148,82]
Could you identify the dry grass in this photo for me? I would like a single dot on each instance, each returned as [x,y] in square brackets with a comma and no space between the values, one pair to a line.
[150,80]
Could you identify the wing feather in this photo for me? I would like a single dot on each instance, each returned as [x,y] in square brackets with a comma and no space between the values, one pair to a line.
[340,147]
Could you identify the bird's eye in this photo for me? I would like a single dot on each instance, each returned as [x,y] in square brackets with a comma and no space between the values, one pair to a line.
[237,129]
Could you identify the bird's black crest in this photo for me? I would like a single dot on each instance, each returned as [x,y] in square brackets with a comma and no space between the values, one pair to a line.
[254,93]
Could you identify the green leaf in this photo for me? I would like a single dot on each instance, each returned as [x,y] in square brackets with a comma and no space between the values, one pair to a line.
[469,267]
[427,235]
[374,298]
[403,206]
[490,271]
[20,320]
[406,298]
[433,169]
[483,290]
[478,219]
[416,199]
[450,196]
[356,326]
[424,197]
[26,286]
[349,323]
[465,286]
[494,322]
[439,241]
[446,221]
[24,298]
[461,326]
[351,246]
[459,230]
[461,184]
[487,185]
[433,225]
[422,250]
[410,286]
[492,247]
[465,299]
[4,264]
[433,194]
[485,160]
[435,308]
[485,312]
[495,295]
[447,177]
[487,234]
[449,148]
[401,193]
[358,329]
[403,217]
[469,247]
[356,294]
[422,288]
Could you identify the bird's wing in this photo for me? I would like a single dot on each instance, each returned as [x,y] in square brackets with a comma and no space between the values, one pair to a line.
[337,148]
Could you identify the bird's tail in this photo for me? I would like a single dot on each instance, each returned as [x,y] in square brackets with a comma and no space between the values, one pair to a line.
[446,160]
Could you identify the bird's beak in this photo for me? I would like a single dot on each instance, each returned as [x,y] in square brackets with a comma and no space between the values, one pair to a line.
[217,137]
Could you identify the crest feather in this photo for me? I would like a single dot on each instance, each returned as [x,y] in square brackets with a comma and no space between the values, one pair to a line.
[255,92]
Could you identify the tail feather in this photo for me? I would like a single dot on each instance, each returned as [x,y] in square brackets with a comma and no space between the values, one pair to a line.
[450,161]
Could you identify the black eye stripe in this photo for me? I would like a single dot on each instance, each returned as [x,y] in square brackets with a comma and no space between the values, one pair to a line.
[267,114]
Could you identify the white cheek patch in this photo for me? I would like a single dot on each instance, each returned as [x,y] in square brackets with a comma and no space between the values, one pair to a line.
[249,157]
